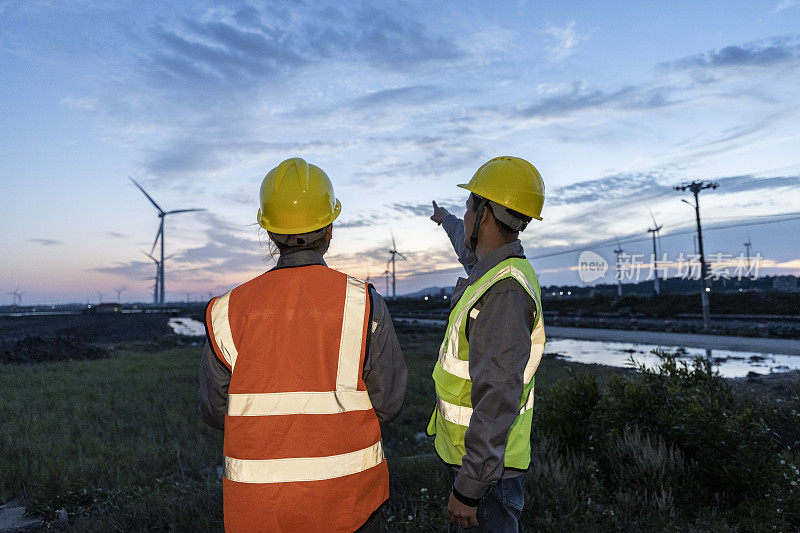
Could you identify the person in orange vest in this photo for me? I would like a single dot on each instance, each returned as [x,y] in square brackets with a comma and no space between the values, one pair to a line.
[301,367]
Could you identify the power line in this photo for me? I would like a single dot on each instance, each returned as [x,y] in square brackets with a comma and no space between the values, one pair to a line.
[631,239]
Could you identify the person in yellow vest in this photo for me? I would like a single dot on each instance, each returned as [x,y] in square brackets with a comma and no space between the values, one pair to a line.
[300,369]
[492,346]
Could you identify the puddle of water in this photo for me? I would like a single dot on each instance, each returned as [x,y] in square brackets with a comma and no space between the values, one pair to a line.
[187,326]
[731,364]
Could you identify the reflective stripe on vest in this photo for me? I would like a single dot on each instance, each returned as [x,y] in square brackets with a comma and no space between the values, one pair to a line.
[303,468]
[345,398]
[448,353]
[222,329]
[298,403]
[461,414]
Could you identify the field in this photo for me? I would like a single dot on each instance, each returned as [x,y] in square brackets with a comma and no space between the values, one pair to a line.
[117,443]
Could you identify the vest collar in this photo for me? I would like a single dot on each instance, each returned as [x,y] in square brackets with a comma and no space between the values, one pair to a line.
[300,258]
[494,258]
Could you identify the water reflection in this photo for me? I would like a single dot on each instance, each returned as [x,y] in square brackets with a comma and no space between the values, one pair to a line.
[731,364]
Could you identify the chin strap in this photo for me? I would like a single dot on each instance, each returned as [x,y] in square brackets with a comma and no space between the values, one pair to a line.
[473,239]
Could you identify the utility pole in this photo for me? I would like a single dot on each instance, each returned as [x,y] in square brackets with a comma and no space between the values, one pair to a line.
[654,230]
[695,187]
[617,252]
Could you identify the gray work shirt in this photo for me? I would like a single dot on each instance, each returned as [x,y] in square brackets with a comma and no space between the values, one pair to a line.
[385,371]
[499,348]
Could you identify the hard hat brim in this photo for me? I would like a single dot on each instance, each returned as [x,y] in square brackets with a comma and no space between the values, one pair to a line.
[466,186]
[305,229]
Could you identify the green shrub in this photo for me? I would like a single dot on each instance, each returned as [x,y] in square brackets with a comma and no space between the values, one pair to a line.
[568,411]
[692,408]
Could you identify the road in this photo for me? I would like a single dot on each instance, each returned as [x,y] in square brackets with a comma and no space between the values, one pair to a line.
[661,338]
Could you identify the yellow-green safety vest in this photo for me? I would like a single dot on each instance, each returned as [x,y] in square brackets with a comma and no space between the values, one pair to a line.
[451,416]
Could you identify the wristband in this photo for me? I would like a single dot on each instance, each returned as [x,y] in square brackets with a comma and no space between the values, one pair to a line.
[466,500]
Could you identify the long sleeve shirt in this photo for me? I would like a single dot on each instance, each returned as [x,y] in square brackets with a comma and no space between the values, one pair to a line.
[384,372]
[499,348]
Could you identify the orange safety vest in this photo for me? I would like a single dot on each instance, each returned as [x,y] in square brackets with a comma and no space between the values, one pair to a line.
[302,448]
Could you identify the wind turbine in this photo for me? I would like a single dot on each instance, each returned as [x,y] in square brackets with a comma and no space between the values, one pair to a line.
[394,253]
[747,246]
[17,296]
[119,292]
[160,235]
[654,230]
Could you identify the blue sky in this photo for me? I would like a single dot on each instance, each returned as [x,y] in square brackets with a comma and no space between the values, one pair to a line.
[613,102]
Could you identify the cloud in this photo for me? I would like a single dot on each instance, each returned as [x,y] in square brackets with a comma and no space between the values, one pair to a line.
[225,253]
[116,235]
[363,222]
[793,264]
[614,187]
[762,54]
[567,39]
[402,95]
[426,209]
[785,4]
[243,49]
[181,157]
[135,270]
[82,104]
[421,156]
[46,242]
[566,99]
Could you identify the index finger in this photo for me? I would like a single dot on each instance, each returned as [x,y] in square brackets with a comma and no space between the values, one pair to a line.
[434,205]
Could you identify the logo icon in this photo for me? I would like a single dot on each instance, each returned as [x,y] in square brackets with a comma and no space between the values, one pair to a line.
[591,266]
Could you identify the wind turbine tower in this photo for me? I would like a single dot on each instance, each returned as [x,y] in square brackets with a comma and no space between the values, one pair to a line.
[747,246]
[394,253]
[158,272]
[160,236]
[654,230]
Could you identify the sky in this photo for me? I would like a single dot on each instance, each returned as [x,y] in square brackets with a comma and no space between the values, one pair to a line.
[614,103]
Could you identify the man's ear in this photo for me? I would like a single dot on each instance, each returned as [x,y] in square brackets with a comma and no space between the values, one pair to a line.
[485,214]
[329,232]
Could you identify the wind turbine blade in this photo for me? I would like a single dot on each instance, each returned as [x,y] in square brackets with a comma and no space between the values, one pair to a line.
[182,211]
[401,255]
[150,256]
[148,196]
[159,233]
[655,224]
[394,246]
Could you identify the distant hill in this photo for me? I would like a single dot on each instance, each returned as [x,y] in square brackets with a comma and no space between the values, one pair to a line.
[430,291]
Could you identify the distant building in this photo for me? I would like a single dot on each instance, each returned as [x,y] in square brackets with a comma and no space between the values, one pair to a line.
[785,284]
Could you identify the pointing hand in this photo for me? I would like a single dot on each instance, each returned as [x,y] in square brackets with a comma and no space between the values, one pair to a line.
[439,213]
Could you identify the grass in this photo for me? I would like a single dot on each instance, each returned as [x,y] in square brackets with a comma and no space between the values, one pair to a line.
[118,444]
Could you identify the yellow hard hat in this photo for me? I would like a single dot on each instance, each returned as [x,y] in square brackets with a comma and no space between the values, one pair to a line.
[511,182]
[297,198]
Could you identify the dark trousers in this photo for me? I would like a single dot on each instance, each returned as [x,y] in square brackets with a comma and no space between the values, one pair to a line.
[499,510]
